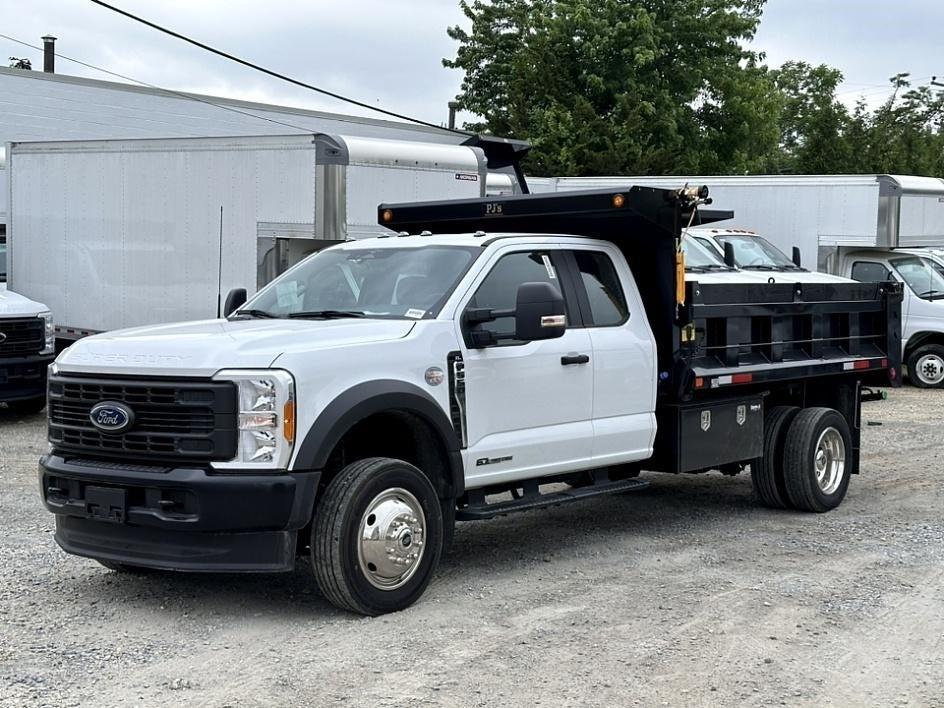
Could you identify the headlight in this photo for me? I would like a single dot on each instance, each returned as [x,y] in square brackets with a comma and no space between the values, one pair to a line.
[50,345]
[266,419]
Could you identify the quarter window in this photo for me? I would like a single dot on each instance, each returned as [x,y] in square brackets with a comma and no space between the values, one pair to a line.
[869,272]
[603,288]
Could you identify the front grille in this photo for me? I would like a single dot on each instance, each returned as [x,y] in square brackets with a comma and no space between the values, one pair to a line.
[192,419]
[22,337]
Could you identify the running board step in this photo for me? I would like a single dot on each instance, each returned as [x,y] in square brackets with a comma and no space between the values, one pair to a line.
[478,512]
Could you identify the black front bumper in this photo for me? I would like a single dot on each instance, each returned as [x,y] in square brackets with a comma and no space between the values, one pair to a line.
[182,518]
[24,378]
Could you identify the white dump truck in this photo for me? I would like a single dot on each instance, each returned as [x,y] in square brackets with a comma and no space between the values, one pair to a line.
[383,389]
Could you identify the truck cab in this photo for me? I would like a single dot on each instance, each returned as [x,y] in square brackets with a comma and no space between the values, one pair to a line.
[921,271]
[499,355]
[27,347]
[755,254]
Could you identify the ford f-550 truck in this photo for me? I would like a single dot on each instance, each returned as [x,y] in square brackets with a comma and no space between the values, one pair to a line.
[382,389]
[27,346]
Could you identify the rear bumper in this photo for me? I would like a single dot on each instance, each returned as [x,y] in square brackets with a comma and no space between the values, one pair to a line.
[24,378]
[177,518]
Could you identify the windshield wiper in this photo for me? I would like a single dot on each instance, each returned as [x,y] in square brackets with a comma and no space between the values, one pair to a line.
[326,314]
[254,313]
[759,267]
[718,266]
[931,294]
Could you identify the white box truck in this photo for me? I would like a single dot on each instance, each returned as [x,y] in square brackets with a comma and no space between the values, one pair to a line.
[121,233]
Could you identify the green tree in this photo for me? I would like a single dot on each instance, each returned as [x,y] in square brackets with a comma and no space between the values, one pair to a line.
[813,122]
[620,86]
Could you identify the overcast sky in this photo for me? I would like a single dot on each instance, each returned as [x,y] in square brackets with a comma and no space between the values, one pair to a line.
[389,52]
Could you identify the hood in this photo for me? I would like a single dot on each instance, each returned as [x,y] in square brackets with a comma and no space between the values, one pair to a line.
[14,305]
[764,276]
[203,348]
[796,277]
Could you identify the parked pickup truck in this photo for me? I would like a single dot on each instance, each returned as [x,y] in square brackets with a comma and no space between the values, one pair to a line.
[383,389]
[753,253]
[27,347]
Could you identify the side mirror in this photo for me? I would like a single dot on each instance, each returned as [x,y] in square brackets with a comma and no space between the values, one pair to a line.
[796,256]
[540,312]
[234,300]
[729,255]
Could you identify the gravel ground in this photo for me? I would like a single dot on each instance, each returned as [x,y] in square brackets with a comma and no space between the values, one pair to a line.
[685,594]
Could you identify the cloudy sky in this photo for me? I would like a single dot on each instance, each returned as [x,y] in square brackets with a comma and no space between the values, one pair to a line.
[388,52]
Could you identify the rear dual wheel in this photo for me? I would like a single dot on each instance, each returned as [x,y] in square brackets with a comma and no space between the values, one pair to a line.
[926,366]
[807,459]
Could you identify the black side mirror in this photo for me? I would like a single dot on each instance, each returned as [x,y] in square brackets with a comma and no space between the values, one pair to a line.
[234,300]
[540,312]
[729,255]
[796,256]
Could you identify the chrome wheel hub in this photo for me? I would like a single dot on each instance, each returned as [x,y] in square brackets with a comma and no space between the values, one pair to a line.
[829,460]
[930,369]
[391,539]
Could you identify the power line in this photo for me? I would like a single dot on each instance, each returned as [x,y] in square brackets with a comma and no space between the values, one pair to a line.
[188,96]
[272,73]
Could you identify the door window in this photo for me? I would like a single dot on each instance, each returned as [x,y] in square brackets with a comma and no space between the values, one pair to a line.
[604,290]
[499,290]
[869,272]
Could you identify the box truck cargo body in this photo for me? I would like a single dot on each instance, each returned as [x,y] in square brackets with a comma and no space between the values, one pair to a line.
[115,234]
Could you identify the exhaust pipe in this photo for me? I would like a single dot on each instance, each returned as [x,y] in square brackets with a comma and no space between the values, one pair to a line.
[49,54]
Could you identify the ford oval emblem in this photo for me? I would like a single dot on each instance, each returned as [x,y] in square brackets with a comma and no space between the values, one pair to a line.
[111,417]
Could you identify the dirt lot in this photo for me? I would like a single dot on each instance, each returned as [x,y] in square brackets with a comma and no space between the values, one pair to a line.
[683,594]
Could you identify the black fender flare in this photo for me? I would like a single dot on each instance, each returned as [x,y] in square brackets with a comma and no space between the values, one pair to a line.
[371,397]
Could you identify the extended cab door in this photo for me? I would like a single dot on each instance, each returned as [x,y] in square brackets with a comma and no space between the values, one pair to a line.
[624,356]
[527,404]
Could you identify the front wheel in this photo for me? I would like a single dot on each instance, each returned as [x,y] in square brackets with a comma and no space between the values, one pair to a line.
[926,366]
[817,459]
[377,536]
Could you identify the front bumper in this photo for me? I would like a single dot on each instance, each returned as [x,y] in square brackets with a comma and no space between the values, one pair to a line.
[184,518]
[24,378]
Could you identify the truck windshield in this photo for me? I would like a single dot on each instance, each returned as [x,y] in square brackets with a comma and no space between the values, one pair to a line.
[699,257]
[757,253]
[921,276]
[395,283]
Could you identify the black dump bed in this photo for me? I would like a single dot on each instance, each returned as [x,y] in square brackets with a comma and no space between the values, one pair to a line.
[709,337]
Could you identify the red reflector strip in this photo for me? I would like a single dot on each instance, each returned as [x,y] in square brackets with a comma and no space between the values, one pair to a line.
[884,363]
[742,378]
[699,383]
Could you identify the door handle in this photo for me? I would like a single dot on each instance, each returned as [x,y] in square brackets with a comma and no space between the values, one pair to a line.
[575,359]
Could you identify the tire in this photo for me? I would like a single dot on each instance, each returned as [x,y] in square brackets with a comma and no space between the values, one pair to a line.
[123,567]
[767,470]
[817,460]
[926,366]
[399,502]
[31,406]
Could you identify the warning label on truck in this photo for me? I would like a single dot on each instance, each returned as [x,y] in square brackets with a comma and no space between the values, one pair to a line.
[467,177]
